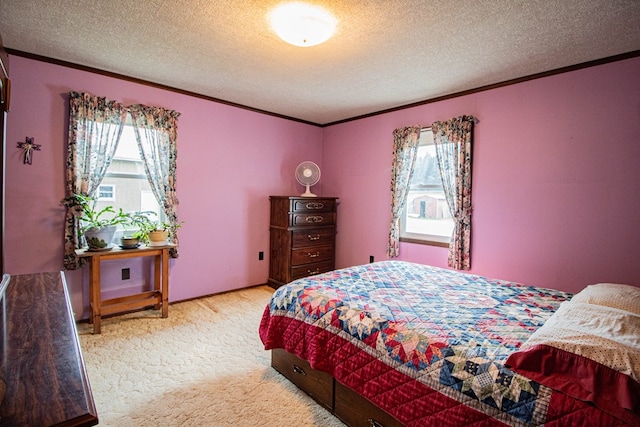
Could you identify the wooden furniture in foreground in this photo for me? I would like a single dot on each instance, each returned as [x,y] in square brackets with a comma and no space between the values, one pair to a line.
[43,378]
[353,409]
[302,237]
[158,297]
[5,94]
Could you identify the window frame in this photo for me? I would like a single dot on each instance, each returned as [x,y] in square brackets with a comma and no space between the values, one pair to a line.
[159,215]
[419,238]
[107,199]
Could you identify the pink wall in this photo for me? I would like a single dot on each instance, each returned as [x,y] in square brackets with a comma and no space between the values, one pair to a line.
[229,161]
[556,179]
[555,184]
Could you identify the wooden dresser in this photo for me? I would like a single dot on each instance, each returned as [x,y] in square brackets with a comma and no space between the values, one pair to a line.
[43,381]
[302,237]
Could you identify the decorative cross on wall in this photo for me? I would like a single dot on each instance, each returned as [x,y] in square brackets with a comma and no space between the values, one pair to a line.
[28,147]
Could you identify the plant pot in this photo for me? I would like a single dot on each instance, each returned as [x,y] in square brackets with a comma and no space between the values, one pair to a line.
[129,242]
[100,238]
[158,237]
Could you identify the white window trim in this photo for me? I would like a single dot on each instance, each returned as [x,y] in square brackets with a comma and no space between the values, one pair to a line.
[425,239]
[160,215]
[420,238]
[113,193]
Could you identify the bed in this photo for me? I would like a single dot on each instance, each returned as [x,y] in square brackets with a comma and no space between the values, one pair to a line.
[397,343]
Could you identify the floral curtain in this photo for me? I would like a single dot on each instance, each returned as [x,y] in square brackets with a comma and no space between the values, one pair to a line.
[156,131]
[453,140]
[405,149]
[95,126]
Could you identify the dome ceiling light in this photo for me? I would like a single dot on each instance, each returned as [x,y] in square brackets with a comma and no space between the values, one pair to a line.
[302,24]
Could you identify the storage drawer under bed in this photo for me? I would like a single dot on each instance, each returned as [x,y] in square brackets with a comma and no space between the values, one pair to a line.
[353,409]
[317,384]
[356,411]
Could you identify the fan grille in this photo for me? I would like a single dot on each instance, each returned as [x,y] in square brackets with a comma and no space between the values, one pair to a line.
[308,174]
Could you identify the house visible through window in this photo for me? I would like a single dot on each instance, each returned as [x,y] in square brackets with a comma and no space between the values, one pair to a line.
[426,217]
[126,172]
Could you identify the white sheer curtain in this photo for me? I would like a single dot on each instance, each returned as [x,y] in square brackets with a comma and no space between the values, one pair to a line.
[156,133]
[95,127]
[405,149]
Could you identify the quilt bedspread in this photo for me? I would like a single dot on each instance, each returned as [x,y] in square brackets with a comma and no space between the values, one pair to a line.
[447,331]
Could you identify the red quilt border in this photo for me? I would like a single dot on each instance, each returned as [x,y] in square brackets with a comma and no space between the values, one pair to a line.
[581,378]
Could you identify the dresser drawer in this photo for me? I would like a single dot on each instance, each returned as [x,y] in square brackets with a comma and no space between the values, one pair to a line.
[317,384]
[300,220]
[313,237]
[313,254]
[313,205]
[301,271]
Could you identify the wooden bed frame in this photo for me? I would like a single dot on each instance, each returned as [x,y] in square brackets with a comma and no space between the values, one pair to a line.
[353,409]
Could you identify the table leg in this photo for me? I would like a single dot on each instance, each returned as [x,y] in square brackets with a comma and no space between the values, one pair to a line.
[165,282]
[94,290]
[156,278]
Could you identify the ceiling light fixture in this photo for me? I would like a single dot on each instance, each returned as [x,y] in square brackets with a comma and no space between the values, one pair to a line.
[302,24]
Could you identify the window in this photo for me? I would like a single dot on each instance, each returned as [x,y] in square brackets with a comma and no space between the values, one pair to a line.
[96,126]
[106,193]
[426,217]
[126,172]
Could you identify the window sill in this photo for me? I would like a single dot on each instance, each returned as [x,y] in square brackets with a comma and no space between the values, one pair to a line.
[424,242]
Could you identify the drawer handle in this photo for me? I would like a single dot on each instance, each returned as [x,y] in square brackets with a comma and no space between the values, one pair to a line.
[374,423]
[316,255]
[315,205]
[314,219]
[316,237]
[314,272]
[298,370]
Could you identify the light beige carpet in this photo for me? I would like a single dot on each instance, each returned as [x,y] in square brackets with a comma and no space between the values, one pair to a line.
[204,365]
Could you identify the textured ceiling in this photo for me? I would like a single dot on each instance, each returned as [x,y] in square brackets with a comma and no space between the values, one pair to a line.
[384,54]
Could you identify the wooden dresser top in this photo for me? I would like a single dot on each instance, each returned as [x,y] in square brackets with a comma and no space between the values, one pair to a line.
[42,376]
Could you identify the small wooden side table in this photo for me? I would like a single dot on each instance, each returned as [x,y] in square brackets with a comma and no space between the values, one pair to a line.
[158,297]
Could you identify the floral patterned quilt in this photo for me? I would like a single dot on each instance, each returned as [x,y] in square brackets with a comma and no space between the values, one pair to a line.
[435,329]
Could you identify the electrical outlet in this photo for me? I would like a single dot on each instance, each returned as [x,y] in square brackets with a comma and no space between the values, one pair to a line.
[370,258]
[260,256]
[126,274]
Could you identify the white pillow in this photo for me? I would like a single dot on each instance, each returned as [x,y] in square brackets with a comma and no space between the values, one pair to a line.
[614,295]
[590,352]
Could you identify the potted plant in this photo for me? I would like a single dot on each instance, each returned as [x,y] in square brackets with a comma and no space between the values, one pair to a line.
[141,225]
[99,225]
[162,232]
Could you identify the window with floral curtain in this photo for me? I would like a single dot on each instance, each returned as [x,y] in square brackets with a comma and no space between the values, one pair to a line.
[156,131]
[95,127]
[405,148]
[453,140]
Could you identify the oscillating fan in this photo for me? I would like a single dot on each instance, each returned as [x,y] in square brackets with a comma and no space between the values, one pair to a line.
[308,173]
